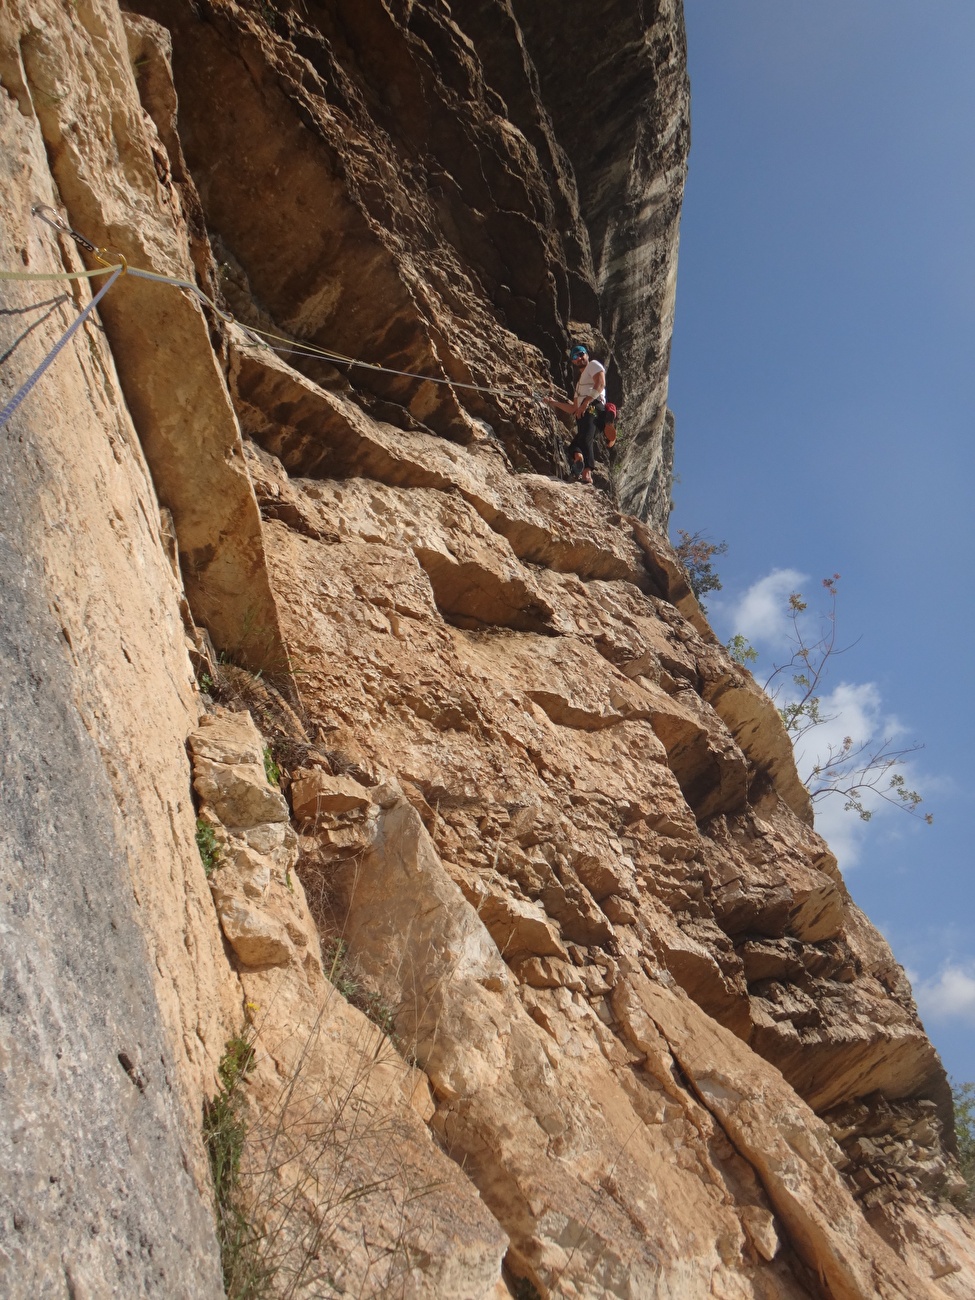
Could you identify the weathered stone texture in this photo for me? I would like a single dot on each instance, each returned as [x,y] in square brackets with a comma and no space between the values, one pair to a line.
[591,827]
[629,168]
[548,976]
[108,1007]
[444,154]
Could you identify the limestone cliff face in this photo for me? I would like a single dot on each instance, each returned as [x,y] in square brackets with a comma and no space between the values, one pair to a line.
[628,1034]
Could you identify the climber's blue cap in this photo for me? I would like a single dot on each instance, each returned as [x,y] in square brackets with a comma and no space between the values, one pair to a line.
[578,351]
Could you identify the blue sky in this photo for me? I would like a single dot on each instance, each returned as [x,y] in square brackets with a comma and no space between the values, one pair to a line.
[823,380]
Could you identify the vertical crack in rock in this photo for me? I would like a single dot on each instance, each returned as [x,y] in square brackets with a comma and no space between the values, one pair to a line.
[491,854]
[789,1148]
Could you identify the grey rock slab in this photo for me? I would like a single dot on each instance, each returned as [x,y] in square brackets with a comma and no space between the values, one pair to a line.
[95,1197]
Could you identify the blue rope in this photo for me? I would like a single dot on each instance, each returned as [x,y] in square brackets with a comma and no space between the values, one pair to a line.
[66,337]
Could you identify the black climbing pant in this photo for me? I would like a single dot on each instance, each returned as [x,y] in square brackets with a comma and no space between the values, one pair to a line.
[583,441]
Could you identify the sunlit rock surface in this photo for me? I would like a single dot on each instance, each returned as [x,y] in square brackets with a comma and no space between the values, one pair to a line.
[339,721]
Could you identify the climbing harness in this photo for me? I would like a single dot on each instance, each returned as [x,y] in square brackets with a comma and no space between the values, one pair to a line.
[276,342]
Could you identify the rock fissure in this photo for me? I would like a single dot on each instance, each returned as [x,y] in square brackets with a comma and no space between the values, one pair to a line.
[799,1174]
[493,855]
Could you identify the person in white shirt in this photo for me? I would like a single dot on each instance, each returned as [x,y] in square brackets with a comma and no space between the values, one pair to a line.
[586,403]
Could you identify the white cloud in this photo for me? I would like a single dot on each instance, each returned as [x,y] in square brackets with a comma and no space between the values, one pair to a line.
[843,831]
[762,613]
[855,711]
[949,997]
[851,711]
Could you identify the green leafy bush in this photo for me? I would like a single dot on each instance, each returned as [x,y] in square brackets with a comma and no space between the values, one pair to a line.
[206,842]
[695,553]
[741,650]
[964,1099]
[245,1274]
[271,769]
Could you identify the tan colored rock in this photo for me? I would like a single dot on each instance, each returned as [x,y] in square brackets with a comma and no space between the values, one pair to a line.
[276,406]
[754,721]
[708,765]
[337,1136]
[269,838]
[239,793]
[263,918]
[936,1242]
[69,64]
[519,927]
[670,576]
[790,1149]
[257,938]
[315,793]
[577,690]
[228,737]
[121,951]
[760,1228]
[596,798]
[564,840]
[523,1097]
[547,973]
[605,873]
[475,578]
[715,985]
[254,871]
[771,959]
[619,910]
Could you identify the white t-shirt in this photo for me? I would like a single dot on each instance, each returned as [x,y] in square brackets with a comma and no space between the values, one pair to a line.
[585,384]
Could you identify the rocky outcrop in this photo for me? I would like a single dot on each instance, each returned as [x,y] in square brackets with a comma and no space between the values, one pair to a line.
[440,154]
[97,1191]
[339,1115]
[342,727]
[595,829]
[114,983]
[629,169]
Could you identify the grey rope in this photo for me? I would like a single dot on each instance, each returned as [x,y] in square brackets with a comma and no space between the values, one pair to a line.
[25,388]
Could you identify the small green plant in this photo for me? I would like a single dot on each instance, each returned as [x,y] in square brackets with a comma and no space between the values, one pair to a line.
[206,842]
[343,975]
[237,1062]
[695,553]
[271,769]
[741,650]
[206,683]
[964,1099]
[335,958]
[245,1275]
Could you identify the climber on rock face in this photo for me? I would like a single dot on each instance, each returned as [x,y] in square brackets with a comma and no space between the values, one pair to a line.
[585,406]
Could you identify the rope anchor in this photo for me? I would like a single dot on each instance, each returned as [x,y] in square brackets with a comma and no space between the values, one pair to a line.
[65,338]
[119,266]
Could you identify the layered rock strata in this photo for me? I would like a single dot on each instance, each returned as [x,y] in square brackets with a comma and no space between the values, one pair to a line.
[567,876]
[552,987]
[417,145]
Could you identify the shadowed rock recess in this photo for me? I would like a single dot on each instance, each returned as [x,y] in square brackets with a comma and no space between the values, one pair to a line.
[337,720]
